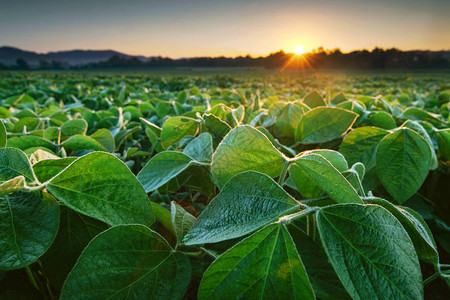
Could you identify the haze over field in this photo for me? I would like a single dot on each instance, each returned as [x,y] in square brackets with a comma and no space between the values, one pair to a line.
[230,28]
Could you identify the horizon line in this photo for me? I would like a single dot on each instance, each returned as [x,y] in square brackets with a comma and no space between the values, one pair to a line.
[327,50]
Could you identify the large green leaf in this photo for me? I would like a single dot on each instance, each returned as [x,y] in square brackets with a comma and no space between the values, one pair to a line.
[415,113]
[370,251]
[403,161]
[416,227]
[28,225]
[28,141]
[128,262]
[247,202]
[73,127]
[381,119]
[200,148]
[104,137]
[101,186]
[163,167]
[175,128]
[423,133]
[305,184]
[265,265]
[13,163]
[323,278]
[325,175]
[360,145]
[216,126]
[3,137]
[313,99]
[75,232]
[82,142]
[48,168]
[322,124]
[244,149]
[335,158]
[288,118]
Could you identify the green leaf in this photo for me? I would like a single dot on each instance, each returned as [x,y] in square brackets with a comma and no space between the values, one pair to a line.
[104,137]
[216,126]
[26,124]
[200,148]
[28,141]
[444,144]
[47,169]
[128,262]
[13,163]
[247,202]
[39,155]
[75,232]
[265,265]
[335,158]
[322,124]
[313,99]
[327,177]
[416,227]
[414,113]
[307,185]
[163,167]
[321,274]
[288,118]
[175,128]
[182,221]
[28,225]
[423,133]
[73,127]
[101,186]
[163,215]
[360,145]
[370,251]
[403,161]
[12,185]
[3,137]
[82,142]
[121,136]
[19,99]
[244,149]
[382,120]
[338,98]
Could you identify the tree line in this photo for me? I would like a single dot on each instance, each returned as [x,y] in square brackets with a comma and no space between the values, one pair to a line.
[320,58]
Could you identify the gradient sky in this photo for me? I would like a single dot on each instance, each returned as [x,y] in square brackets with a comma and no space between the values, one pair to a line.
[178,28]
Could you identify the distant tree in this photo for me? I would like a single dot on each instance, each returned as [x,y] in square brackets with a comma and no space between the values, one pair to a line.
[44,65]
[378,58]
[21,64]
[57,65]
[3,67]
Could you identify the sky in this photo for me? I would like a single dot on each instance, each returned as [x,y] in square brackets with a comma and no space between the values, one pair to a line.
[177,28]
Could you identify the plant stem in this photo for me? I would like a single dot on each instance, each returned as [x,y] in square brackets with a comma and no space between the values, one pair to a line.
[431,278]
[193,253]
[31,277]
[311,226]
[284,172]
[288,218]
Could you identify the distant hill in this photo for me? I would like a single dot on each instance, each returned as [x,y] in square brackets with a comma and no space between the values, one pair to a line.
[9,55]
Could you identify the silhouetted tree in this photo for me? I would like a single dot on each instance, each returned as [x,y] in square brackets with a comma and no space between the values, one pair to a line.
[22,64]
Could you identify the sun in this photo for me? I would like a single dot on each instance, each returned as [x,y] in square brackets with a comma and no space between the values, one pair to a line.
[299,50]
